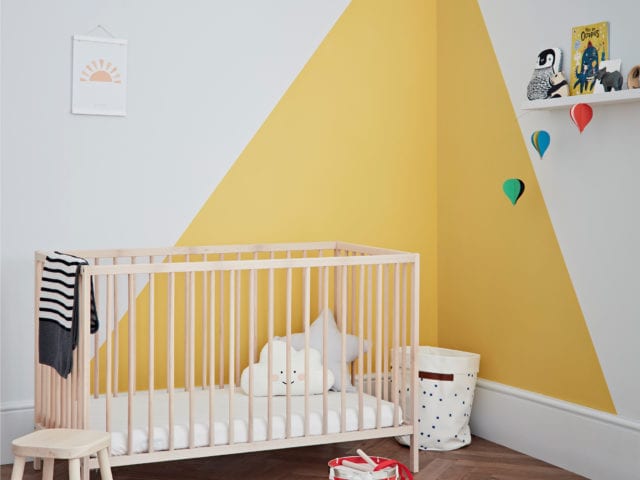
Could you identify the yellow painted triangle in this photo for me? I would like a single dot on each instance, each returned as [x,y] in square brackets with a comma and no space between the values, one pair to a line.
[504,289]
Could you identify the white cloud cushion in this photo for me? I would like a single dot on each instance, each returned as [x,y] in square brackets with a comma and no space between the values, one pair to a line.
[278,376]
[334,348]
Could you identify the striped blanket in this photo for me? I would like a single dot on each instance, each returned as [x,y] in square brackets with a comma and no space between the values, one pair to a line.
[59,311]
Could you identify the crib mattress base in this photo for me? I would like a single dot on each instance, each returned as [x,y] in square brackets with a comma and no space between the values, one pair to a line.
[160,437]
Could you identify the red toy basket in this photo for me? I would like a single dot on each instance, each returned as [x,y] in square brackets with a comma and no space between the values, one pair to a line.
[386,469]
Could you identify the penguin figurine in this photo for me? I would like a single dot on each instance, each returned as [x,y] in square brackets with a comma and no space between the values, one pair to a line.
[548,64]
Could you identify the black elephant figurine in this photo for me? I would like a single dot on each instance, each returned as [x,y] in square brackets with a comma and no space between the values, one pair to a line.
[609,80]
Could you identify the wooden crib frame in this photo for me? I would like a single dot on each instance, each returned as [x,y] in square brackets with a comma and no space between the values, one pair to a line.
[353,280]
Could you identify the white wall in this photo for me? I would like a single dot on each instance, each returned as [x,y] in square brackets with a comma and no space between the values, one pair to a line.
[589,180]
[203,76]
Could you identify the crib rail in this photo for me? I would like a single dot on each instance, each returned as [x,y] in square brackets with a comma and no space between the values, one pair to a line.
[192,318]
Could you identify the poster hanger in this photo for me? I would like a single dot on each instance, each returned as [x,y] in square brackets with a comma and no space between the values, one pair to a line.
[100,27]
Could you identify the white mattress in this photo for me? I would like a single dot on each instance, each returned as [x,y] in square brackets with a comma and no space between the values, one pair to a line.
[119,419]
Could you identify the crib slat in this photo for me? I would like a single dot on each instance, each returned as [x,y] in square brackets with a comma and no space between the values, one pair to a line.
[320,284]
[396,342]
[337,292]
[270,357]
[385,334]
[170,355]
[96,340]
[131,309]
[238,318]
[232,381]
[109,321]
[415,326]
[361,349]
[370,327]
[57,401]
[306,281]
[63,403]
[212,355]
[204,325]
[186,324]
[116,336]
[257,324]
[352,314]
[221,328]
[84,339]
[192,356]
[152,341]
[251,339]
[51,396]
[379,346]
[343,363]
[403,336]
[46,402]
[288,359]
[325,328]
[74,391]
[68,407]
[36,354]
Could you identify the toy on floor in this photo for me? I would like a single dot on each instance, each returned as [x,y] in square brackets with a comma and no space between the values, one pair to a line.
[364,467]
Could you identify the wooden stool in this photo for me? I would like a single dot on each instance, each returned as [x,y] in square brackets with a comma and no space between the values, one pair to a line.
[64,444]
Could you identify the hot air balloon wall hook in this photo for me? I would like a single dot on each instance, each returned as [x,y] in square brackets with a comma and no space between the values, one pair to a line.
[513,188]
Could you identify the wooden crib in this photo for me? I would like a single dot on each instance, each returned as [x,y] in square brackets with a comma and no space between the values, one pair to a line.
[178,326]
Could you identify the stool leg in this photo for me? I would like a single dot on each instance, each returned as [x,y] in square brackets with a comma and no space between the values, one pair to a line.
[105,467]
[47,470]
[18,468]
[74,469]
[37,463]
[85,473]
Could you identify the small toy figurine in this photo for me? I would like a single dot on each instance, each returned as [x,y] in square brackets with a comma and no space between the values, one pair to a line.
[548,64]
[559,86]
[609,80]
[633,80]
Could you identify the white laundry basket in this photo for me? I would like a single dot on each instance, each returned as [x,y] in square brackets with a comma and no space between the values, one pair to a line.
[447,384]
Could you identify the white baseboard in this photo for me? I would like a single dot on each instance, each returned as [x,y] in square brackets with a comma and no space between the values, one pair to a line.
[16,419]
[591,443]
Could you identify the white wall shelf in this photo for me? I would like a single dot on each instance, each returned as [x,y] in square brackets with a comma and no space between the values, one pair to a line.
[621,96]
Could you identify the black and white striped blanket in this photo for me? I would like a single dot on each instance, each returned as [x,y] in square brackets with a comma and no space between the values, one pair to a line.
[59,311]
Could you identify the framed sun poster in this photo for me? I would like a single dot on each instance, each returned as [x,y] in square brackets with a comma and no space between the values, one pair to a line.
[99,76]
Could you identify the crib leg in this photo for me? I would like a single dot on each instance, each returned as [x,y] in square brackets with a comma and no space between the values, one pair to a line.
[414,461]
[37,463]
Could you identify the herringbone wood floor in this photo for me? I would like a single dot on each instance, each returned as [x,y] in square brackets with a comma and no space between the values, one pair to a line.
[482,460]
